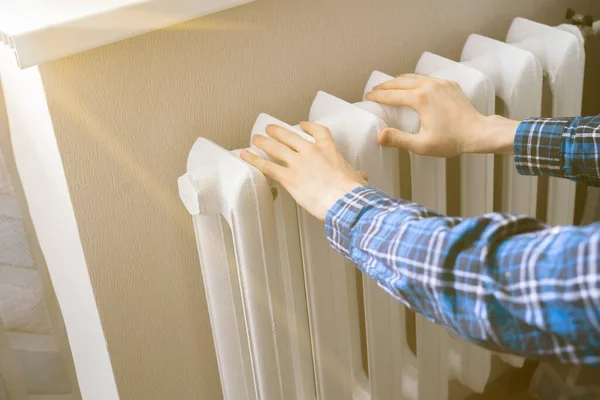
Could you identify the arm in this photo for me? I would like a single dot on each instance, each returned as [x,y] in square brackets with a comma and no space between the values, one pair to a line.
[505,282]
[450,126]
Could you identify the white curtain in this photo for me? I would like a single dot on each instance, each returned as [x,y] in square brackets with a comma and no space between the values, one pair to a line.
[30,362]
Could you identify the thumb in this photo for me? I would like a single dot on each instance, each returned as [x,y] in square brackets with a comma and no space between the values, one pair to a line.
[390,137]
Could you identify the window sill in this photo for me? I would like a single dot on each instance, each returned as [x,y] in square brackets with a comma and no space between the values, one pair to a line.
[38,31]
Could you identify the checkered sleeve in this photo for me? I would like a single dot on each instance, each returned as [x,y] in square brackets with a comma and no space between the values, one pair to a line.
[506,282]
[561,147]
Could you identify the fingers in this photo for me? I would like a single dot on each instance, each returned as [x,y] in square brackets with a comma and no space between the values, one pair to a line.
[408,98]
[288,138]
[395,138]
[270,169]
[274,148]
[406,82]
[420,77]
[405,90]
[319,132]
[403,82]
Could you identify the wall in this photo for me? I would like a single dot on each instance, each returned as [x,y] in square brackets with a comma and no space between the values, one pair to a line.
[125,116]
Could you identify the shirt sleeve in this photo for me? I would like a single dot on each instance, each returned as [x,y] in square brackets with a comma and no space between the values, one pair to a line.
[506,282]
[561,147]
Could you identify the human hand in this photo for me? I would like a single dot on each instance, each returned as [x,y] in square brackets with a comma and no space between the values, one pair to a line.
[315,174]
[450,125]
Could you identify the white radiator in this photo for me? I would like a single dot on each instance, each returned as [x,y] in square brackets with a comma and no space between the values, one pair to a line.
[284,307]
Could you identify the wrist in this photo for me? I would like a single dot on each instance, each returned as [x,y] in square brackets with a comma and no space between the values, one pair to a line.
[334,194]
[493,134]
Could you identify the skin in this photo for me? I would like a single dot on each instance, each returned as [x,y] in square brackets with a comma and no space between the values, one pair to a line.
[317,175]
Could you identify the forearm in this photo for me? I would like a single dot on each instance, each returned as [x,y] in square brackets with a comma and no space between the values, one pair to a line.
[502,281]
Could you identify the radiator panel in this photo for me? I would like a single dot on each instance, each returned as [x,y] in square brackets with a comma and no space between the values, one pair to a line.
[517,79]
[223,185]
[562,58]
[385,318]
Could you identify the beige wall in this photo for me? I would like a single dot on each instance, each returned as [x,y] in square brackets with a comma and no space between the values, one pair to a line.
[125,116]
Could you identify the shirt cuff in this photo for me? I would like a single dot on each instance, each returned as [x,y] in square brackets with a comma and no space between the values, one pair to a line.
[537,146]
[346,212]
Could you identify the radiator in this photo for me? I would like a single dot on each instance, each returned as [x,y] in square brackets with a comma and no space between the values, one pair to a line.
[284,307]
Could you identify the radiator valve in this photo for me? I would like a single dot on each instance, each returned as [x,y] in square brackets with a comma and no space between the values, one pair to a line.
[584,22]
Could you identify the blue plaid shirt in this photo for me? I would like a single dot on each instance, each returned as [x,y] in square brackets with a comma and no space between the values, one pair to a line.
[506,282]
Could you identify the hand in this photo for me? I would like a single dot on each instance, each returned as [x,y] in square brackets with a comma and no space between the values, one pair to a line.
[450,125]
[315,174]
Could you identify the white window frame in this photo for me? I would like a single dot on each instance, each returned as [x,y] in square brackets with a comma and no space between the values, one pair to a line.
[43,30]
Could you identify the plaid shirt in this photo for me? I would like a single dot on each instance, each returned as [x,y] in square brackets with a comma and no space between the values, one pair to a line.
[506,282]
